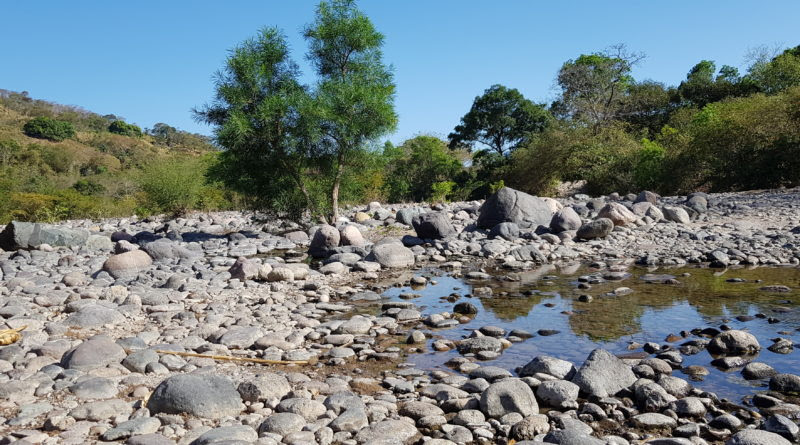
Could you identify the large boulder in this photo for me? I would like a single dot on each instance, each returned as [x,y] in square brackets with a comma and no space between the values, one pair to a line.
[734,342]
[166,250]
[617,213]
[406,216]
[96,352]
[509,205]
[599,228]
[433,225]
[647,196]
[391,253]
[26,235]
[351,236]
[208,396]
[546,364]
[789,383]
[245,269]
[509,396]
[325,239]
[676,214]
[603,374]
[128,264]
[756,437]
[565,219]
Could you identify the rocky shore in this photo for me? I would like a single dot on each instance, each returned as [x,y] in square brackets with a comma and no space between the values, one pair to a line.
[150,331]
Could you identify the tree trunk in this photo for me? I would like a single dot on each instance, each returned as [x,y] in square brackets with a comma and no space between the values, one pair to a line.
[335,189]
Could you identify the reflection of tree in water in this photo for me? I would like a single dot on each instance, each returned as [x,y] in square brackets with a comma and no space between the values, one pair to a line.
[610,318]
[512,307]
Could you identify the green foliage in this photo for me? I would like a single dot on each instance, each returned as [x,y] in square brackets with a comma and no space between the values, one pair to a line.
[48,128]
[778,74]
[88,187]
[496,186]
[416,166]
[594,86]
[500,119]
[354,98]
[125,129]
[701,87]
[649,165]
[173,186]
[440,190]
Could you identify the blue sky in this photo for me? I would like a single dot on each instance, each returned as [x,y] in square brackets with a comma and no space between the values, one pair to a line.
[152,61]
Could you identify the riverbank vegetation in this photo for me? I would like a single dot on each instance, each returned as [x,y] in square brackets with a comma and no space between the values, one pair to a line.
[293,149]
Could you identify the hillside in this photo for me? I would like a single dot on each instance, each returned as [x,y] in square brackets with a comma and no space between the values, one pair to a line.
[96,172]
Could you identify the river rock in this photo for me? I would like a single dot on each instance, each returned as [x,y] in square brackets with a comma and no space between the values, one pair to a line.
[756,437]
[128,264]
[509,205]
[209,396]
[508,396]
[325,239]
[676,214]
[392,254]
[603,374]
[734,342]
[433,225]
[617,213]
[27,235]
[789,383]
[558,368]
[95,352]
[350,236]
[565,219]
[599,228]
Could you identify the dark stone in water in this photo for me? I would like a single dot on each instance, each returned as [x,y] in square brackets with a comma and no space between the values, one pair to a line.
[547,332]
[465,307]
[745,318]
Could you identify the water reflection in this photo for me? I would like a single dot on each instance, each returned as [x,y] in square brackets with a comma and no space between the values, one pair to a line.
[547,298]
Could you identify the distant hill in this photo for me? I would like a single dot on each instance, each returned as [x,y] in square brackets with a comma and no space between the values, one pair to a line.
[104,167]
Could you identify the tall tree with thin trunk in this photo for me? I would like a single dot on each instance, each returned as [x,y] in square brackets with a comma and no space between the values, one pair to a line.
[354,96]
[261,116]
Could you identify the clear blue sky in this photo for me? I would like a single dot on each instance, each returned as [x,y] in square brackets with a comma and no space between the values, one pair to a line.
[152,61]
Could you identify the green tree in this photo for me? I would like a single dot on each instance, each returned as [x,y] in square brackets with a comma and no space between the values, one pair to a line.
[594,86]
[44,127]
[421,162]
[778,73]
[125,129]
[702,87]
[354,97]
[500,119]
[261,116]
[648,106]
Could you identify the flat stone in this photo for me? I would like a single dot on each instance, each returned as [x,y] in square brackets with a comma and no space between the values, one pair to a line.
[208,396]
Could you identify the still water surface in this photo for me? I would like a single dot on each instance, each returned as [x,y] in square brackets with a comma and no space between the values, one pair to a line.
[548,299]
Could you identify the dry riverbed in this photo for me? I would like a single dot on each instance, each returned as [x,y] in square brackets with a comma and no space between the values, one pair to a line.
[518,319]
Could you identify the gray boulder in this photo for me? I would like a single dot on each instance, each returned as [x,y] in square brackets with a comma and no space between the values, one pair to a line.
[565,219]
[506,230]
[244,269]
[208,396]
[406,216]
[756,437]
[509,396]
[557,393]
[676,214]
[26,235]
[94,316]
[325,238]
[96,352]
[734,342]
[128,264]
[647,196]
[433,225]
[785,383]
[391,253]
[603,374]
[546,364]
[599,228]
[509,205]
[165,250]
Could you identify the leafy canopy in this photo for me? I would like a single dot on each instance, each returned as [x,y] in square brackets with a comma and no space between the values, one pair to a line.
[500,119]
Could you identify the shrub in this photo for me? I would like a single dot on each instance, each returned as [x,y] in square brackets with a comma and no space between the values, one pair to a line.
[87,187]
[125,129]
[649,165]
[48,128]
[174,185]
[440,190]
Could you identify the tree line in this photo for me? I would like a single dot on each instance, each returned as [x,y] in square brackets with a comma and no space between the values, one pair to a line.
[294,148]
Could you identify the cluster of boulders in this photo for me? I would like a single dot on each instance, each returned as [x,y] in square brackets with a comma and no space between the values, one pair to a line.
[123,323]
